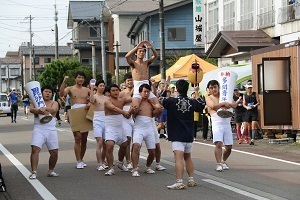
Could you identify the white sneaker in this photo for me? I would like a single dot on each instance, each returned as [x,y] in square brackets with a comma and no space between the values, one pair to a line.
[53,174]
[176,186]
[101,168]
[33,175]
[219,167]
[135,173]
[122,167]
[148,170]
[159,168]
[110,172]
[129,165]
[105,166]
[225,166]
[84,164]
[79,165]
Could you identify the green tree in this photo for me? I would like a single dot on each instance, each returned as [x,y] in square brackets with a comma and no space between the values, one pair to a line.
[56,70]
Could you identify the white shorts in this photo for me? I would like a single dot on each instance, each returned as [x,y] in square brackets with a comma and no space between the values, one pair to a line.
[182,146]
[114,129]
[128,124]
[99,124]
[221,129]
[45,134]
[78,105]
[143,130]
[136,93]
[155,131]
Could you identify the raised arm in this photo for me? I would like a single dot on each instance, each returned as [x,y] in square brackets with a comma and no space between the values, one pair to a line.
[63,91]
[155,54]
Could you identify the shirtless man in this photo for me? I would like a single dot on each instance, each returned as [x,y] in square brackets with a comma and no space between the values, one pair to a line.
[139,70]
[221,127]
[113,108]
[143,130]
[127,123]
[78,98]
[98,100]
[44,134]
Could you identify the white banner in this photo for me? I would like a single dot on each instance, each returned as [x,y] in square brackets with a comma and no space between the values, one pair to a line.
[198,22]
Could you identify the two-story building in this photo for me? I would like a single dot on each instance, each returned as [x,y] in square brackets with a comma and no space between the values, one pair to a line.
[10,72]
[41,55]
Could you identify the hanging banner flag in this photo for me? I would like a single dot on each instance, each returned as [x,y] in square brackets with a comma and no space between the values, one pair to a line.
[198,22]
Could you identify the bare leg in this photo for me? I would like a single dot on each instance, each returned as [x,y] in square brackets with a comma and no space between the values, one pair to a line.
[127,155]
[218,151]
[83,144]
[99,150]
[179,167]
[34,157]
[122,151]
[157,153]
[103,152]
[150,158]
[77,145]
[189,164]
[227,152]
[109,153]
[53,158]
[135,154]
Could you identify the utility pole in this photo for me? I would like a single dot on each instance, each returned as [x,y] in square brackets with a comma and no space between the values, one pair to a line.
[117,62]
[162,41]
[56,32]
[93,58]
[103,43]
[31,60]
[0,77]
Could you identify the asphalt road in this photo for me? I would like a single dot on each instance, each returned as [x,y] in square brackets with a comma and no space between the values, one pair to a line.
[251,175]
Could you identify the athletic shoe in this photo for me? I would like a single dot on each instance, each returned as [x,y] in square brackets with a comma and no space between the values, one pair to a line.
[219,167]
[52,174]
[192,183]
[105,165]
[252,142]
[101,168]
[122,167]
[159,168]
[129,165]
[110,172]
[79,165]
[225,166]
[33,175]
[135,173]
[148,170]
[84,164]
[176,186]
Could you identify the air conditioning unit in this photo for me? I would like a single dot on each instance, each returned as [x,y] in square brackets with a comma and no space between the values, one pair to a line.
[42,66]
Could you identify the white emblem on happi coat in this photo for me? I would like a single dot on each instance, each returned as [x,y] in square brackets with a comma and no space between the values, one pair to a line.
[183,105]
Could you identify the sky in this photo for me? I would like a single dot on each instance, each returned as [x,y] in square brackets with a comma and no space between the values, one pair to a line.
[14,23]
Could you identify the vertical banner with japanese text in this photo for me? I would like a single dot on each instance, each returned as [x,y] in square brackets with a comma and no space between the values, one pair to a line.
[199,22]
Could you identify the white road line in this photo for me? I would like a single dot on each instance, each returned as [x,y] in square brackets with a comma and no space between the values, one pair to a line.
[39,187]
[254,154]
[236,190]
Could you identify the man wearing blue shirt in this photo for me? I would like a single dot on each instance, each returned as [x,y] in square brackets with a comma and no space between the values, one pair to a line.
[180,127]
[13,98]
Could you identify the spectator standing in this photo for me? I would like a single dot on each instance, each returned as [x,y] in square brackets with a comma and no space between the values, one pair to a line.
[13,99]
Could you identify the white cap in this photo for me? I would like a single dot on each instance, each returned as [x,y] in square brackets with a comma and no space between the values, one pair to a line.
[248,86]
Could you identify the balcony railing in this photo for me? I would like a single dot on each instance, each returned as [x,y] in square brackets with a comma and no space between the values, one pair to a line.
[212,32]
[246,22]
[266,19]
[289,13]
[228,25]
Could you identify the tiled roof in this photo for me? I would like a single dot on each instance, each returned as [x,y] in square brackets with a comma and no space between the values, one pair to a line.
[10,60]
[47,50]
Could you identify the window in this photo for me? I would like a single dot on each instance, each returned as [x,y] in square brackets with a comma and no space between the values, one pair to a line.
[3,72]
[213,25]
[229,15]
[176,34]
[247,12]
[94,32]
[85,61]
[47,60]
[14,72]
[37,60]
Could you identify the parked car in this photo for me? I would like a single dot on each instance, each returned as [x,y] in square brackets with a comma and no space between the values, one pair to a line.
[4,104]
